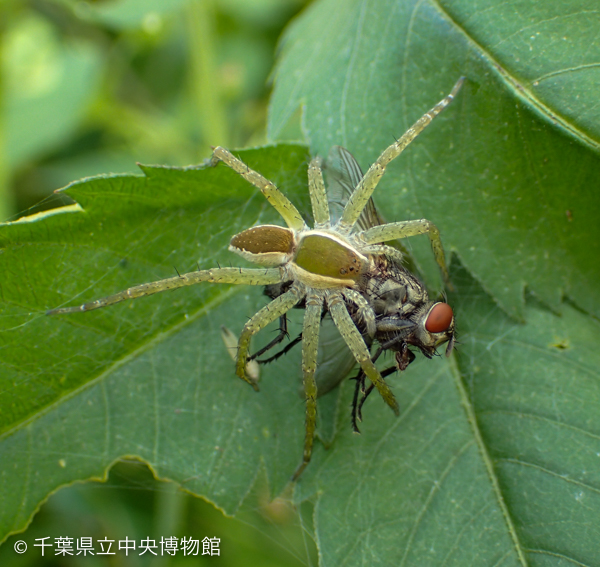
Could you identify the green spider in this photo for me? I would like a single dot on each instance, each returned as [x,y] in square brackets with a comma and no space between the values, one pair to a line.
[326,265]
[405,317]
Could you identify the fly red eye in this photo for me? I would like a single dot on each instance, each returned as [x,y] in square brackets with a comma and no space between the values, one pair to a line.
[439,318]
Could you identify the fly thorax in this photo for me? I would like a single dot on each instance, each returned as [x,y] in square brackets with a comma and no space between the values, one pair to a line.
[416,294]
[389,296]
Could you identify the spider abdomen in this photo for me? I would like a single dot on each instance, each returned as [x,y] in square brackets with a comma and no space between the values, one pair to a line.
[268,245]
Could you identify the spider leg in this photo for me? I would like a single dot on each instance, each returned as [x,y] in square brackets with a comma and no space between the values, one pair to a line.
[404,229]
[280,202]
[283,332]
[231,341]
[318,194]
[357,346]
[365,311]
[384,250]
[365,188]
[266,315]
[249,276]
[310,344]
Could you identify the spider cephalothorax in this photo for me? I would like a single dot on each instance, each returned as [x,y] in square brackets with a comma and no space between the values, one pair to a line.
[326,265]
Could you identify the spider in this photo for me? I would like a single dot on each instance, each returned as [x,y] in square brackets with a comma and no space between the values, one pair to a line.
[325,264]
[404,315]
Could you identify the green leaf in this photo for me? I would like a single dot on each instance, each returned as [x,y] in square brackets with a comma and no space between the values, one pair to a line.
[509,171]
[150,378]
[494,458]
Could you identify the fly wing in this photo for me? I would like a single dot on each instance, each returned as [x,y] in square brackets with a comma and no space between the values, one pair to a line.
[343,175]
[334,359]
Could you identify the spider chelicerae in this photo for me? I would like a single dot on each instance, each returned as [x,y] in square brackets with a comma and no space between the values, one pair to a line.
[330,266]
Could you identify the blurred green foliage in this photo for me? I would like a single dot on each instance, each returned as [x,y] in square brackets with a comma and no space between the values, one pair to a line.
[94,87]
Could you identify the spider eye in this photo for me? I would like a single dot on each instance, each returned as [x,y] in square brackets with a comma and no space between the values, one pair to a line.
[439,318]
